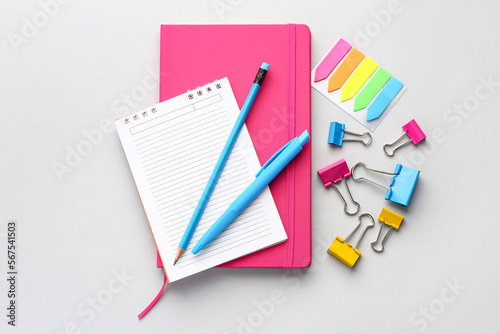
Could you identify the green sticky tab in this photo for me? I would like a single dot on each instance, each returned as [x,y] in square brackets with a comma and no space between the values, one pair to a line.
[371,89]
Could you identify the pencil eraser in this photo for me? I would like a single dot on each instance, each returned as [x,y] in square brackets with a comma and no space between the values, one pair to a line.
[265,66]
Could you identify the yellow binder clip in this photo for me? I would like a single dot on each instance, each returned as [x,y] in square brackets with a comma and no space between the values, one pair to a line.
[343,250]
[393,220]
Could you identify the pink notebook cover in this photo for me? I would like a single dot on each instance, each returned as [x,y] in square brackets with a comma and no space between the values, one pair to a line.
[193,55]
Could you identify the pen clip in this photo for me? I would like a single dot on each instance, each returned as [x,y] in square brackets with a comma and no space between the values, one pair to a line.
[271,159]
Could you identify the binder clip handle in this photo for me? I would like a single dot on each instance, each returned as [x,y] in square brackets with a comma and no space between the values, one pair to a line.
[334,173]
[390,154]
[343,199]
[391,219]
[360,135]
[383,240]
[337,132]
[372,170]
[346,252]
[355,246]
[413,131]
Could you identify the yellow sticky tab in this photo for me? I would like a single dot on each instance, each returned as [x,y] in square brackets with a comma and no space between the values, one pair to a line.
[390,218]
[344,252]
[358,78]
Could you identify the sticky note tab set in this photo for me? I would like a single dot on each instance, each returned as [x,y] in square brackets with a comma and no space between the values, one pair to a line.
[356,83]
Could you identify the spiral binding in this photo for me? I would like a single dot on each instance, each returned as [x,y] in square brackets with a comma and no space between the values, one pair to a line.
[199,92]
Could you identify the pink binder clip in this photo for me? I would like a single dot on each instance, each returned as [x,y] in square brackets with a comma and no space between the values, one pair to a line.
[413,131]
[334,173]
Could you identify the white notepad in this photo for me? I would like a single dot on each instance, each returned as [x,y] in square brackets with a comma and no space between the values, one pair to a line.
[172,148]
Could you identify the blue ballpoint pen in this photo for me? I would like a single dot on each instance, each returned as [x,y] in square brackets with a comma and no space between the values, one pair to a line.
[219,166]
[265,175]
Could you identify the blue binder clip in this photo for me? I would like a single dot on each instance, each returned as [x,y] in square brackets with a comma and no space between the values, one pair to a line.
[337,131]
[402,183]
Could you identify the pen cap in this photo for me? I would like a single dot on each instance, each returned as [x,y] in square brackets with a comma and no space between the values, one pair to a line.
[304,137]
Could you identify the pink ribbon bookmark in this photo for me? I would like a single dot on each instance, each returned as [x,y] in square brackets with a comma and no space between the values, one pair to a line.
[331,60]
[150,306]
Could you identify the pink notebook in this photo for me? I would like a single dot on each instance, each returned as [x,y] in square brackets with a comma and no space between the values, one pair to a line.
[198,54]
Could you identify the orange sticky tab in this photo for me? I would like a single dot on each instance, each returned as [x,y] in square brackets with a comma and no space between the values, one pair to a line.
[345,69]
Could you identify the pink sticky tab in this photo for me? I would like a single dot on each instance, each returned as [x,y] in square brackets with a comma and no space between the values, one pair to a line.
[414,132]
[331,60]
[334,173]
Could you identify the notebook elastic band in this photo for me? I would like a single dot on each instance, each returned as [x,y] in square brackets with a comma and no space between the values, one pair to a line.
[290,173]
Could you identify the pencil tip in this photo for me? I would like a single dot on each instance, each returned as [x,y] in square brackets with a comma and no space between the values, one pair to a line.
[180,251]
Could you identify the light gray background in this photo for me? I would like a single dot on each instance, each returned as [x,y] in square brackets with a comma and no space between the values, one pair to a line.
[78,233]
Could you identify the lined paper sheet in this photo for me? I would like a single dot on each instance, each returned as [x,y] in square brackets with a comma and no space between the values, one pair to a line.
[172,148]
